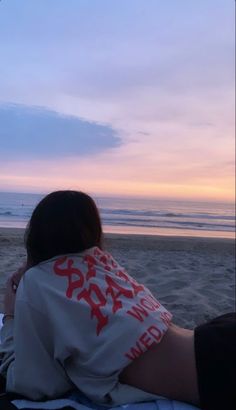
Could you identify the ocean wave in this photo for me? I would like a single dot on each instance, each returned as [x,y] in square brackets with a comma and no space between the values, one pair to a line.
[6,213]
[11,214]
[164,214]
[183,225]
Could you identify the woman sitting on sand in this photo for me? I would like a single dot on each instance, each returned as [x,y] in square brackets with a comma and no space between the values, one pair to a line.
[80,321]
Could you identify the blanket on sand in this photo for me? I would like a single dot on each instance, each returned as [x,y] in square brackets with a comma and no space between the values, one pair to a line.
[81,403]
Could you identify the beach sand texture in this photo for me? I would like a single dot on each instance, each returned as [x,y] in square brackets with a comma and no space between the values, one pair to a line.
[194,278]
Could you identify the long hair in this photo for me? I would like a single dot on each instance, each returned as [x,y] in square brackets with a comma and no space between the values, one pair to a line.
[63,222]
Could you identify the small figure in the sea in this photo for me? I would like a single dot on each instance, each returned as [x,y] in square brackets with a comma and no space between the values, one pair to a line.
[74,318]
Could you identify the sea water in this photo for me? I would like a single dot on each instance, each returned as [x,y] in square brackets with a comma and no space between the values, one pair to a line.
[137,215]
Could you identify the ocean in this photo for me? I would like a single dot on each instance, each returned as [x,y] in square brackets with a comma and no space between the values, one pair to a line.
[137,215]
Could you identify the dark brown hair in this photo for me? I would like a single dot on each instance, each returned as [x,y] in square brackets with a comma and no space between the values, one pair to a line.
[63,222]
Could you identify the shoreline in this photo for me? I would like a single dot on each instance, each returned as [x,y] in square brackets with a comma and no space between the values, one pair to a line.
[193,277]
[113,235]
[150,231]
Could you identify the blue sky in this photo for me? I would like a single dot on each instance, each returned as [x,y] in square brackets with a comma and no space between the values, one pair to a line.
[156,78]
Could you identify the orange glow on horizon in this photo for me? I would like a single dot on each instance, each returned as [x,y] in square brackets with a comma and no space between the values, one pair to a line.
[121,188]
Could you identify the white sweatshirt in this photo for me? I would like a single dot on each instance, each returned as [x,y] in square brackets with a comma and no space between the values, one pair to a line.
[80,319]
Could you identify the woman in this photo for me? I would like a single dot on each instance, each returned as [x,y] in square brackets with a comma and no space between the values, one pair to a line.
[80,321]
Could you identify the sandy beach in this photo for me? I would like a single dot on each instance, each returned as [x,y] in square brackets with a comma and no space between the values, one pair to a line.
[193,277]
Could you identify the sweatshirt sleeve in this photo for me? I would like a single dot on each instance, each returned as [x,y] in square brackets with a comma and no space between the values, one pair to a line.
[27,356]
[7,346]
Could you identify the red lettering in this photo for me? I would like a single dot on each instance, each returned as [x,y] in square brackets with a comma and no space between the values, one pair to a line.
[166,318]
[113,263]
[91,262]
[95,303]
[150,303]
[138,312]
[135,285]
[115,290]
[105,261]
[146,340]
[97,252]
[147,304]
[134,352]
[68,271]
[154,301]
[155,333]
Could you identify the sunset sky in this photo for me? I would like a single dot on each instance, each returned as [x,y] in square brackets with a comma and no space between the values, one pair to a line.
[128,97]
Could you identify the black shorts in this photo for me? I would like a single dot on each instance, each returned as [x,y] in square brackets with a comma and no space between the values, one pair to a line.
[215,350]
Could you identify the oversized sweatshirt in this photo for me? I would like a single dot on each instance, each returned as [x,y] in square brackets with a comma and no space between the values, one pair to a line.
[80,319]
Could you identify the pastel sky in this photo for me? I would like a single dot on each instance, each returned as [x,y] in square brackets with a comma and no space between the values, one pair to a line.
[118,97]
